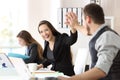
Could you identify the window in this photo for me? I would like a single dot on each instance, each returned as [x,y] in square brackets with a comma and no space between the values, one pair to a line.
[109,20]
[13,18]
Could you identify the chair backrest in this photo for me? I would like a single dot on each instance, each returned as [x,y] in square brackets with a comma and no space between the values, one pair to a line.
[81,60]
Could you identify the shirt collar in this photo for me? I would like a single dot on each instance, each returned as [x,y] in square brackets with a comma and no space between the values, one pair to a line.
[102,26]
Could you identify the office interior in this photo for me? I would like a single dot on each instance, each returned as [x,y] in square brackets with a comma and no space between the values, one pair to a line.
[33,11]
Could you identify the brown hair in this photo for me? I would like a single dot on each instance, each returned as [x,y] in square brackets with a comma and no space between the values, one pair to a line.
[30,40]
[50,26]
[53,30]
[95,12]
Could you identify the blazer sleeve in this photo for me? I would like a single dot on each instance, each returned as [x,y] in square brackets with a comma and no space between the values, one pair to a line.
[32,53]
[69,40]
[46,63]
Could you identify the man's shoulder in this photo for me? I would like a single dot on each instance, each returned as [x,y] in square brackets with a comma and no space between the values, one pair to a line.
[110,33]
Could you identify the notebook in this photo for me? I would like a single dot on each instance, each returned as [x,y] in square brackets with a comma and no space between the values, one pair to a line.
[17,55]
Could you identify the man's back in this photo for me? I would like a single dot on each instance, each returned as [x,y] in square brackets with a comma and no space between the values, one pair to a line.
[106,54]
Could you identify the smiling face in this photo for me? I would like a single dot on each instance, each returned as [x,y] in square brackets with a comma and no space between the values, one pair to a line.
[45,32]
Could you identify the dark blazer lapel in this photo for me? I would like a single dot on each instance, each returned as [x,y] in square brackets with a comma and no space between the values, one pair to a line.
[45,49]
[56,47]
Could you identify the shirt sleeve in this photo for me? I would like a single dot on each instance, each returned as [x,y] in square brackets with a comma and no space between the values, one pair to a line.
[107,45]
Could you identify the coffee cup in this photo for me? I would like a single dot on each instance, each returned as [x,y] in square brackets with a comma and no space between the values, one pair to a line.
[32,67]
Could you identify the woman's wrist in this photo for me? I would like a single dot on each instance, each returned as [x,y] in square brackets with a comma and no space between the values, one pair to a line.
[73,30]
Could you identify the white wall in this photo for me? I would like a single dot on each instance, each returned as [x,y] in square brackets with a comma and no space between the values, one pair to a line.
[41,10]
[111,8]
[74,3]
[38,10]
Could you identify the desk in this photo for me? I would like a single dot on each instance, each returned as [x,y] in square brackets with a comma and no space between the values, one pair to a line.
[9,74]
[12,74]
[43,75]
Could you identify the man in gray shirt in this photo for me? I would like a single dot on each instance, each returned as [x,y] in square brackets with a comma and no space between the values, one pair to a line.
[104,45]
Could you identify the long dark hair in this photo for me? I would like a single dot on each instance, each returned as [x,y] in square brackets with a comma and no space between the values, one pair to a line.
[50,26]
[53,30]
[26,36]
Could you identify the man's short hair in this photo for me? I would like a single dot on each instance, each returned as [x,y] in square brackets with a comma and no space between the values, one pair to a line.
[95,12]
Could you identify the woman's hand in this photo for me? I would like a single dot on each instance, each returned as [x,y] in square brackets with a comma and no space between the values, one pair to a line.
[40,66]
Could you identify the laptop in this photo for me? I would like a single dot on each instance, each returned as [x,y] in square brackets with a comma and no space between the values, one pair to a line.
[4,61]
[42,73]
[24,72]
[12,67]
[7,69]
[21,68]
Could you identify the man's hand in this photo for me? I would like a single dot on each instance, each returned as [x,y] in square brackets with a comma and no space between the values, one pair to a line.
[72,20]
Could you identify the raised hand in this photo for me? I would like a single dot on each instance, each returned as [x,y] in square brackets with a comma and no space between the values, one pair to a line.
[72,20]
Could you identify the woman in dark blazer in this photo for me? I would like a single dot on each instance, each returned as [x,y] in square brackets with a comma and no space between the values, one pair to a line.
[57,48]
[34,49]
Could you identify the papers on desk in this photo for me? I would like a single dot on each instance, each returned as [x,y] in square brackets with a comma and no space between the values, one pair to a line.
[44,72]
[43,75]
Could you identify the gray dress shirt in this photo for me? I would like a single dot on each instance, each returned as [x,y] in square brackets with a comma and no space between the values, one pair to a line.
[107,45]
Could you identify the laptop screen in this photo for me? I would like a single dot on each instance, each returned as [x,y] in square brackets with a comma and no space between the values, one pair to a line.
[5,62]
[21,68]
